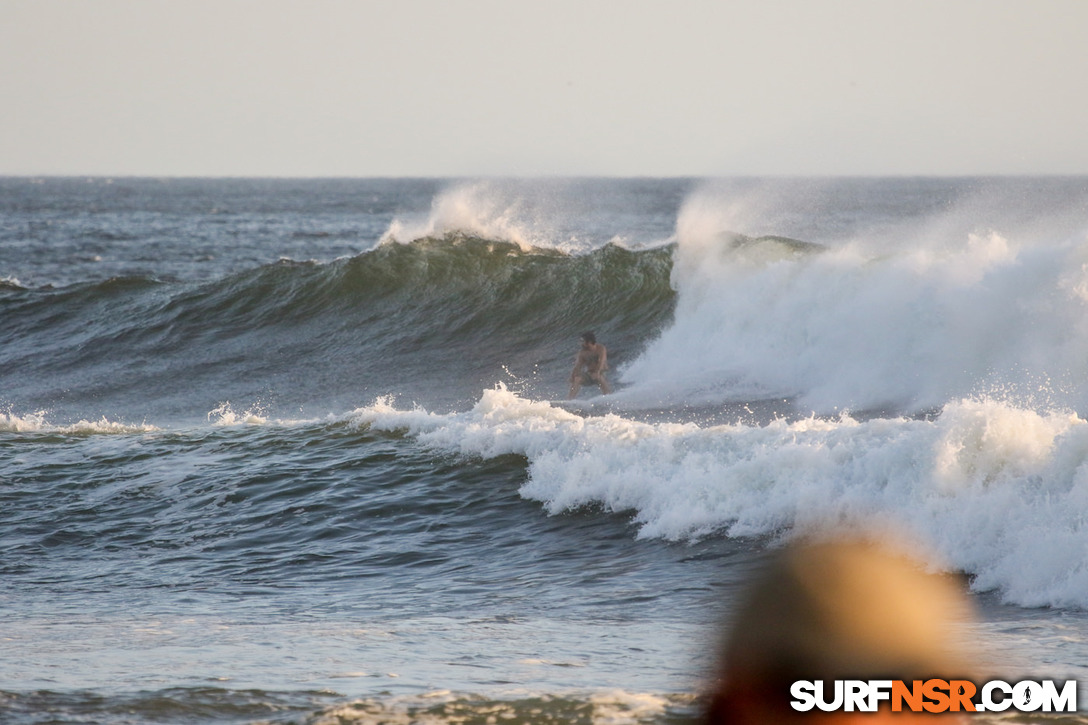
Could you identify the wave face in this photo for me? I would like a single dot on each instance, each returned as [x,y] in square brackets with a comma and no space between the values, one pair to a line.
[436,319]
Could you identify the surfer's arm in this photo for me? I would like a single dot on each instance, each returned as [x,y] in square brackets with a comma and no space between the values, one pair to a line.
[600,362]
[579,363]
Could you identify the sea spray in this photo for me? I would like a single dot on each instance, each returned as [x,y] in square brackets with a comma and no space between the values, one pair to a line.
[471,208]
[842,328]
[574,216]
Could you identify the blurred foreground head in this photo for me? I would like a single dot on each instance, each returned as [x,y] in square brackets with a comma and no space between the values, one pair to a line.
[838,609]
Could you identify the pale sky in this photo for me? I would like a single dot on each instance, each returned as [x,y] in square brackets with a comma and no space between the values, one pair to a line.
[543,87]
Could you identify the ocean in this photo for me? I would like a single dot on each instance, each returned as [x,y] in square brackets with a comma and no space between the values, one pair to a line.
[297,451]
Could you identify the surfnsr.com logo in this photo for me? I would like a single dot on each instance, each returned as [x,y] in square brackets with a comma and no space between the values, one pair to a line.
[934,695]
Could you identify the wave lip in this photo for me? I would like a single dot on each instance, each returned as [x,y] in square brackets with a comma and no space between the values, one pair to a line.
[575,216]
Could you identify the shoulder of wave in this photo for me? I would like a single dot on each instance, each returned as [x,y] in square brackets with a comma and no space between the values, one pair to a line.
[122,283]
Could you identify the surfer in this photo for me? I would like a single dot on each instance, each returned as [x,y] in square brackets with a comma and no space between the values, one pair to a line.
[589,366]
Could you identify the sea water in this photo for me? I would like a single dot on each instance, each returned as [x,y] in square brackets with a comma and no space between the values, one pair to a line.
[291,451]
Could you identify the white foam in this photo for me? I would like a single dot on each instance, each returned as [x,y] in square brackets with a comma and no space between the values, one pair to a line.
[612,707]
[224,415]
[995,490]
[619,707]
[36,423]
[29,423]
[913,319]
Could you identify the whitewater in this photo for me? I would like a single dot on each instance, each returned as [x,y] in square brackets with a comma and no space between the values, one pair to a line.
[265,405]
